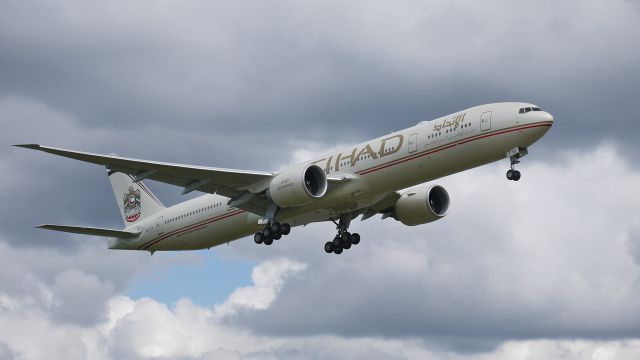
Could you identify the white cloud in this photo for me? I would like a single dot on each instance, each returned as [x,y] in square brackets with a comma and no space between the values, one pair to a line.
[146,329]
[77,295]
[268,279]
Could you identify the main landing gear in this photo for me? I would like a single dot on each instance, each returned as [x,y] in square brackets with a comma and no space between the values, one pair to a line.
[273,231]
[343,240]
[514,157]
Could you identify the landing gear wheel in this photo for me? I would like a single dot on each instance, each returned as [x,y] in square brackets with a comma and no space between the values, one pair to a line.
[355,238]
[267,232]
[268,241]
[347,245]
[277,236]
[258,238]
[345,238]
[511,174]
[337,250]
[516,176]
[276,227]
[328,247]
[286,228]
[336,243]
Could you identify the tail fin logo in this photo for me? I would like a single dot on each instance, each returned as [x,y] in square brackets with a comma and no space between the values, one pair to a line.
[132,205]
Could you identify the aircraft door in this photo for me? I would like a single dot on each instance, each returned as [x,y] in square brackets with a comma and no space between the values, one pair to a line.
[485,121]
[160,225]
[413,143]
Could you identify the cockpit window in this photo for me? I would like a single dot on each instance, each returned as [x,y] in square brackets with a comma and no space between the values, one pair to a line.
[527,109]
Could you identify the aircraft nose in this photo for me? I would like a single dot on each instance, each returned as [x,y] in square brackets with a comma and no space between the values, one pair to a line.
[547,117]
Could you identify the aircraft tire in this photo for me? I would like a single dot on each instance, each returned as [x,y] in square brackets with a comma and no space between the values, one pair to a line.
[347,245]
[286,229]
[276,227]
[345,238]
[277,236]
[267,232]
[258,238]
[268,241]
[337,250]
[355,238]
[516,176]
[336,242]
[510,174]
[328,247]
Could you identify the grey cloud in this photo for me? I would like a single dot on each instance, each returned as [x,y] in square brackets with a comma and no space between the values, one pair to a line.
[280,71]
[7,354]
[197,87]
[242,85]
[633,241]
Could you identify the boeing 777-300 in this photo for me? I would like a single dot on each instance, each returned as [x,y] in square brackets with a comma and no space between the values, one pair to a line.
[387,175]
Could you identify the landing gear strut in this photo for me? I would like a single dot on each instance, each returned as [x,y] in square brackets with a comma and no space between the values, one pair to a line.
[343,240]
[273,231]
[514,157]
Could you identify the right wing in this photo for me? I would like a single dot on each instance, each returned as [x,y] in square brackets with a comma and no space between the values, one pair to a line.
[239,185]
[111,233]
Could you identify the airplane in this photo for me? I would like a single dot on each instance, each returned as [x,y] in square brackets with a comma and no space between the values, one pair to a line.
[388,175]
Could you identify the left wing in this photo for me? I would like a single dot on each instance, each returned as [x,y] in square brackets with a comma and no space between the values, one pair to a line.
[239,185]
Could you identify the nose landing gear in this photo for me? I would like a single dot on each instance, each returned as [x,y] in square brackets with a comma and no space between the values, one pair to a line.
[514,157]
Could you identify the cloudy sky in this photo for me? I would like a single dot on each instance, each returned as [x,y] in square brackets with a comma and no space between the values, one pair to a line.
[548,267]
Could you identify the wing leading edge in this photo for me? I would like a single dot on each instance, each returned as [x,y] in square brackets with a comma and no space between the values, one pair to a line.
[231,183]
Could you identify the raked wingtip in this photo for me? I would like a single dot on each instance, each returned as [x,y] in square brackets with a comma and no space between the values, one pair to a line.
[28,146]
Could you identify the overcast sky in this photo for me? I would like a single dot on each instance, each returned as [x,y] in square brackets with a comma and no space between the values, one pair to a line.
[548,267]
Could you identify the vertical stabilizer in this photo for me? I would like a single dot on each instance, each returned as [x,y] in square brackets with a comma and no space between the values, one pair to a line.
[135,200]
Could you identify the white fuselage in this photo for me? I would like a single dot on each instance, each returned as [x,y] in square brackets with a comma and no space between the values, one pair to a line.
[427,151]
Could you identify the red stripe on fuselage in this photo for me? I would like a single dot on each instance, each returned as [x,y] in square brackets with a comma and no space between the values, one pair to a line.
[152,242]
[448,146]
[361,172]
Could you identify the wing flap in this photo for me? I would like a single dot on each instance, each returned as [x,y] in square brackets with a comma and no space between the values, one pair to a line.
[84,230]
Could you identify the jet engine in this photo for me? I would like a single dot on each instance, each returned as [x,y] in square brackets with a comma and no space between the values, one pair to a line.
[298,186]
[422,205]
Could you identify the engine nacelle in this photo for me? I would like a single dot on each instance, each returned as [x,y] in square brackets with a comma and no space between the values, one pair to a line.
[422,205]
[298,186]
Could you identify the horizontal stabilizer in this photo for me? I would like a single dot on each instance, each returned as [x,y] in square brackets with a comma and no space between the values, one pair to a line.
[83,230]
